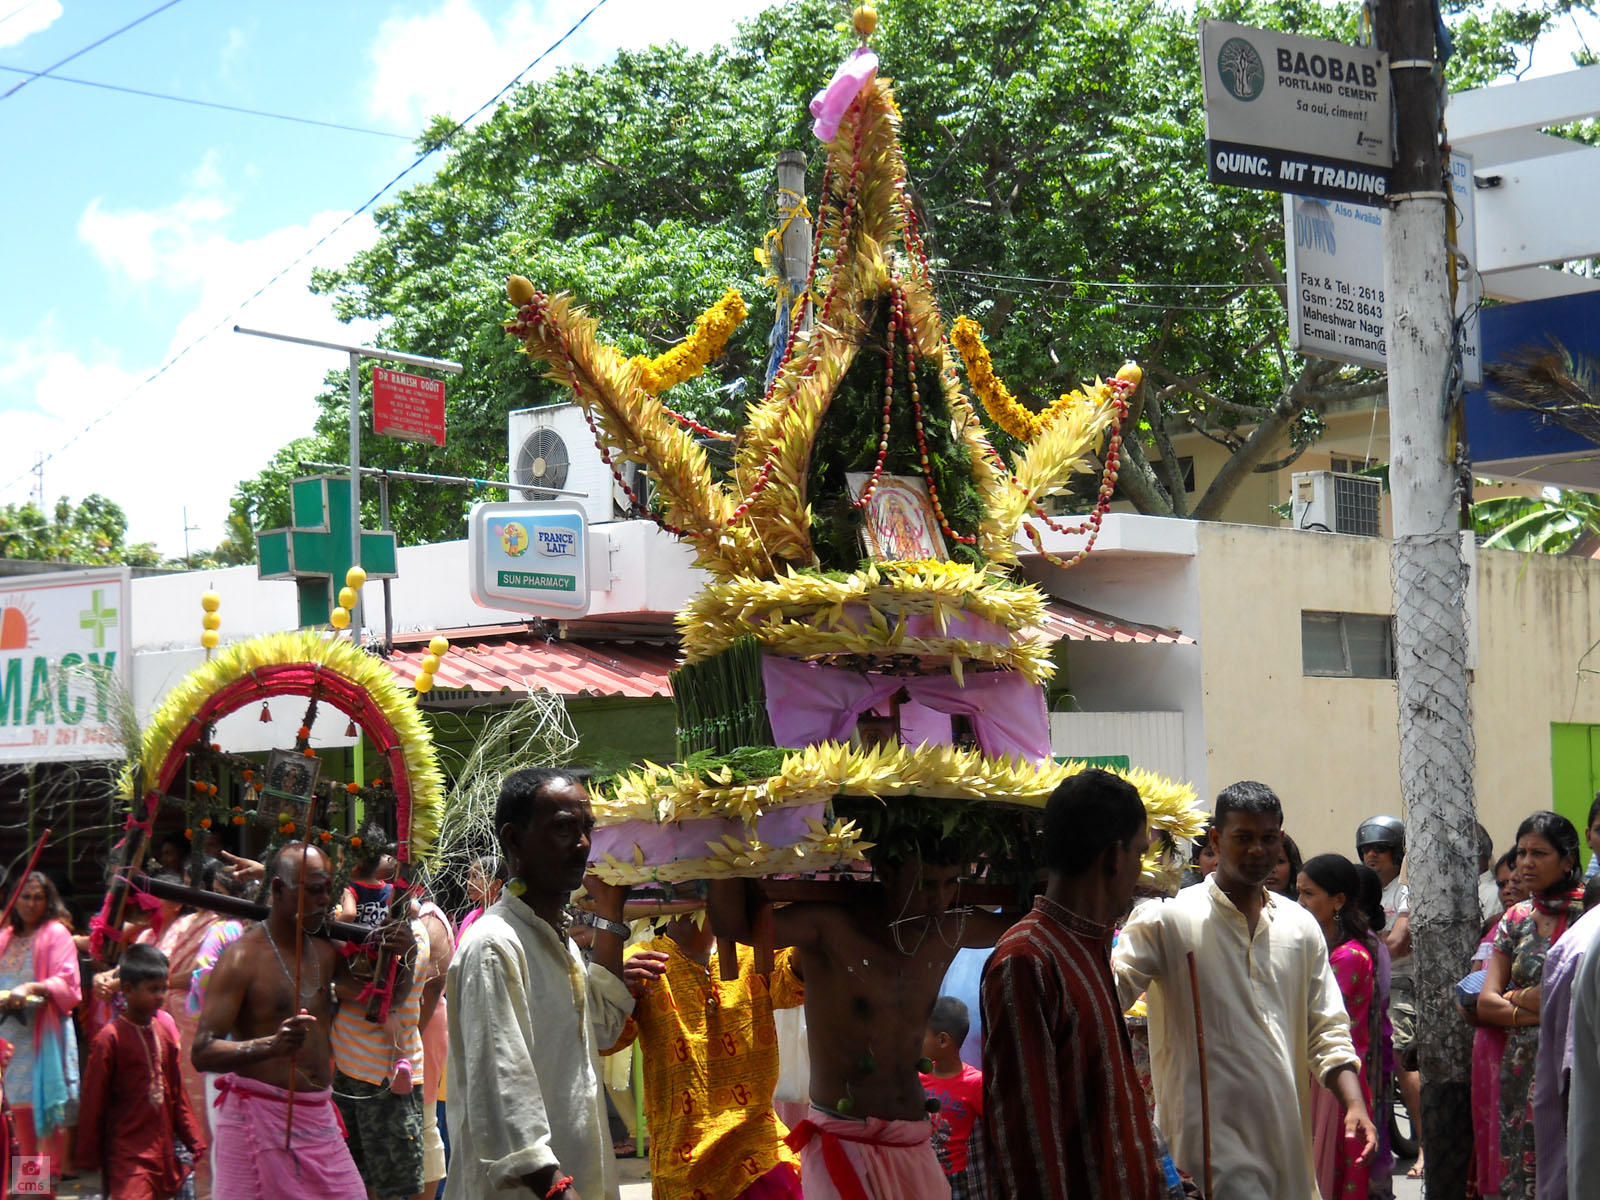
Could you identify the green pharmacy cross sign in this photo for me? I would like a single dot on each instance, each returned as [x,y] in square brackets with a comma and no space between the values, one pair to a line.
[315,550]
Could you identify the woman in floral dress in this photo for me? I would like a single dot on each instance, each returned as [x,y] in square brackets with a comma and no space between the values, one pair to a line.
[1548,867]
[1329,888]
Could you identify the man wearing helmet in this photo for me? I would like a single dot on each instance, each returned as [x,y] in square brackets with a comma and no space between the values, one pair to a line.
[1381,844]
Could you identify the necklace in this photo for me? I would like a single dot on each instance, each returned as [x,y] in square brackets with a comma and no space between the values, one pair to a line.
[306,995]
[153,1060]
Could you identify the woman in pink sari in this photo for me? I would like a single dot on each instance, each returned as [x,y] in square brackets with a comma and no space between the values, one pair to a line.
[1489,1047]
[1330,890]
[39,975]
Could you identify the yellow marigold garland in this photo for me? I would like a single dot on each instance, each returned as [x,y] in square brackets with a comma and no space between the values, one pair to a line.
[688,358]
[1005,409]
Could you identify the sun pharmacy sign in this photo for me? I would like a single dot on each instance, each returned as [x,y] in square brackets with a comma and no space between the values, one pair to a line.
[64,661]
[529,556]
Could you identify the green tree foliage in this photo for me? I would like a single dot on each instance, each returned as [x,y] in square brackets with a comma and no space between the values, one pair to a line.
[1553,523]
[90,533]
[1056,151]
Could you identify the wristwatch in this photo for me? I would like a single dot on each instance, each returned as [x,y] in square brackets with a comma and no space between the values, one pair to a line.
[605,926]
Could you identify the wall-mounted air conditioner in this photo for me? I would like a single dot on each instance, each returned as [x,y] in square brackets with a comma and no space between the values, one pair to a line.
[1334,503]
[552,447]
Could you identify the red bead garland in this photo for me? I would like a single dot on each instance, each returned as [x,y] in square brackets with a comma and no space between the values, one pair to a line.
[896,316]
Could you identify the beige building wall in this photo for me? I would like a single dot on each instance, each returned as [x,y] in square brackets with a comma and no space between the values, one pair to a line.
[1330,746]
[1354,434]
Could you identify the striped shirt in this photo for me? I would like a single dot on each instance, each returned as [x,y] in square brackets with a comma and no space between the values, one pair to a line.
[361,1048]
[1064,1115]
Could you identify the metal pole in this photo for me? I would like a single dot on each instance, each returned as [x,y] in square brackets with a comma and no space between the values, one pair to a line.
[383,523]
[426,477]
[355,491]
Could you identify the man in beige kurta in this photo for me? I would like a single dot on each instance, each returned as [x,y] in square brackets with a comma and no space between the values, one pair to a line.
[1273,1016]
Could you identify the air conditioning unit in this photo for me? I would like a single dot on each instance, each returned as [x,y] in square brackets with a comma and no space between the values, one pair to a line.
[1335,503]
[552,447]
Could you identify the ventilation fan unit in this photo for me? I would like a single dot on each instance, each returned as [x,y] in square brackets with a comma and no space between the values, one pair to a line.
[552,448]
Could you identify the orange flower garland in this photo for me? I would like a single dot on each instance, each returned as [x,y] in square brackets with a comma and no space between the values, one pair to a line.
[688,358]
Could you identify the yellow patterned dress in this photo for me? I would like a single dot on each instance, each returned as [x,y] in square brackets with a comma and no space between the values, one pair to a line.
[710,1067]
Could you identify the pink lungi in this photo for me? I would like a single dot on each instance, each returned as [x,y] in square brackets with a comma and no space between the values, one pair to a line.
[874,1159]
[247,1129]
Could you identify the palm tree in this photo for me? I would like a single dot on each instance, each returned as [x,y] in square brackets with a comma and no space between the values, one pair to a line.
[1551,382]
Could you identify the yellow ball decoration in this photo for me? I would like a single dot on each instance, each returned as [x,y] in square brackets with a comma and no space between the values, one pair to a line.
[519,290]
[211,620]
[210,601]
[430,663]
[355,577]
[339,618]
[439,646]
[209,639]
[347,597]
[865,20]
[423,683]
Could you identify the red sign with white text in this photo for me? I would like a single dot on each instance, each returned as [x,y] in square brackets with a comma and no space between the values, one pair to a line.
[407,406]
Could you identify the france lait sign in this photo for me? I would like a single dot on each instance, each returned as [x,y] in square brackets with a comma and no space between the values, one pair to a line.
[407,406]
[1294,114]
[1333,265]
[529,556]
[64,656]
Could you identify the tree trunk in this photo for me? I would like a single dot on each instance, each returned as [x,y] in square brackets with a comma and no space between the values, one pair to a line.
[1430,580]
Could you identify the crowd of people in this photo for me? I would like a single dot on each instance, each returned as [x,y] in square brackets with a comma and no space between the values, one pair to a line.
[1273,1023]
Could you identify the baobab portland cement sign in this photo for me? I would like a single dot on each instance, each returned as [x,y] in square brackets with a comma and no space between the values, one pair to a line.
[1294,114]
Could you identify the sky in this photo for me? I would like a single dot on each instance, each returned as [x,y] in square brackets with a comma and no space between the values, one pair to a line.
[136,231]
[130,226]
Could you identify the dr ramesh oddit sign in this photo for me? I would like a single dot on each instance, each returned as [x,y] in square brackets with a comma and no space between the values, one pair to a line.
[407,406]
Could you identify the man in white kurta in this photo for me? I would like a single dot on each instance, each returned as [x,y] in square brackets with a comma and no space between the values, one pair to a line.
[528,1018]
[1273,1020]
[1583,1098]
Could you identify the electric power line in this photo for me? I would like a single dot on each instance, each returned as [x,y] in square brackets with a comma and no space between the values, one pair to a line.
[315,246]
[252,112]
[17,12]
[20,84]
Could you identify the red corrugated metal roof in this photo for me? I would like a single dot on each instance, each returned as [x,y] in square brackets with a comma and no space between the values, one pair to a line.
[525,664]
[1078,624]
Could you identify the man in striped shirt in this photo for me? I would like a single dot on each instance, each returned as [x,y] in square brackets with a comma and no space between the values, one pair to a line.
[1064,1115]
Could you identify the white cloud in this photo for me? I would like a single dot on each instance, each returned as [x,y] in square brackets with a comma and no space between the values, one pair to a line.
[28,20]
[216,416]
[453,59]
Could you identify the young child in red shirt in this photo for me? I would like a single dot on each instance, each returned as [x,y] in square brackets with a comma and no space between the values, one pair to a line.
[134,1110]
[958,1090]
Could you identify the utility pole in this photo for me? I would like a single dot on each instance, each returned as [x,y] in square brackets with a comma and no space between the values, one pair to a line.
[1430,582]
[187,528]
[793,256]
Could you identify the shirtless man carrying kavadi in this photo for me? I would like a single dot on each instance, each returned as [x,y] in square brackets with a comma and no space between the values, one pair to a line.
[872,972]
[265,1041]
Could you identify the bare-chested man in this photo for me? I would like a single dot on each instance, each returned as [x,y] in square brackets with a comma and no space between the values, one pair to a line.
[872,973]
[265,1041]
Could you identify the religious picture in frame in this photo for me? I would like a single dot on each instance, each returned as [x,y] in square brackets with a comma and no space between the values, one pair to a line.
[292,778]
[898,523]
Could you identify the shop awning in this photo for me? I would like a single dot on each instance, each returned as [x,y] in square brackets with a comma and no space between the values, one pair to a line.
[518,662]
[1079,624]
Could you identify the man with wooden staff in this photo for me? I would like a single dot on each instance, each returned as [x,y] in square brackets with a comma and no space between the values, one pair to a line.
[1063,1111]
[1271,1010]
[264,1029]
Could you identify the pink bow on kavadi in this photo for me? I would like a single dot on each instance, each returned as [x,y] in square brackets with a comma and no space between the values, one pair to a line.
[830,104]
